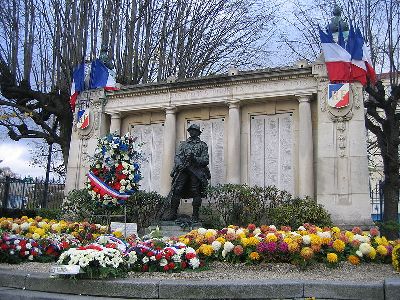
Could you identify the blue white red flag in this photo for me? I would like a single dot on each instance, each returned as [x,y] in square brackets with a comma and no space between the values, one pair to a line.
[354,46]
[102,77]
[338,95]
[104,189]
[78,84]
[366,57]
[337,59]
[83,119]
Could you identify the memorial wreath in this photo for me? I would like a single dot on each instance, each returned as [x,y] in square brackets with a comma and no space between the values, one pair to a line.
[115,172]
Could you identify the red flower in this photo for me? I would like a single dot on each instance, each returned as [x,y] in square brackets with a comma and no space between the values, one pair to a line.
[159,256]
[171,265]
[183,265]
[4,247]
[166,268]
[150,253]
[190,255]
[145,268]
[251,227]
[117,186]
[119,168]
[111,245]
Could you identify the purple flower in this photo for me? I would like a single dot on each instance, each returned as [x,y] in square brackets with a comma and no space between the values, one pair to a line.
[283,247]
[262,247]
[271,247]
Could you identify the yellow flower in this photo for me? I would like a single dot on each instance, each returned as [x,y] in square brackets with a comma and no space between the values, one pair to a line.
[332,258]
[287,240]
[381,241]
[315,239]
[338,245]
[207,250]
[40,231]
[209,234]
[35,236]
[396,257]
[335,229]
[221,240]
[372,253]
[244,241]
[293,247]
[117,233]
[254,256]
[382,250]
[253,241]
[242,235]
[307,253]
[184,240]
[271,237]
[349,235]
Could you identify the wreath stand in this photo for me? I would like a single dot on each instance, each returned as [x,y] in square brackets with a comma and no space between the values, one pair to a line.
[108,218]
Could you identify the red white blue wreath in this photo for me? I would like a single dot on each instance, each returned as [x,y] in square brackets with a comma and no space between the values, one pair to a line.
[115,172]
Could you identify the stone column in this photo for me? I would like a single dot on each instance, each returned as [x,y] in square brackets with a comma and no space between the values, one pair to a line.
[168,153]
[306,174]
[233,161]
[115,125]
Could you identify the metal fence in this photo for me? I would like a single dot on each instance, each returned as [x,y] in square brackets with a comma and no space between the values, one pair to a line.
[377,201]
[30,193]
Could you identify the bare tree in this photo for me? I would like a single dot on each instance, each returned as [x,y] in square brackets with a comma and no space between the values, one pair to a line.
[41,41]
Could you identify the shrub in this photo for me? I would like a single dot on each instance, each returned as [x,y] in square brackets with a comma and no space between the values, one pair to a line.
[241,204]
[299,211]
[141,208]
[31,213]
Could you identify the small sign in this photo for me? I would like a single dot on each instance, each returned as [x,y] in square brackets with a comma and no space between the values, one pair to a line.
[338,95]
[126,228]
[65,269]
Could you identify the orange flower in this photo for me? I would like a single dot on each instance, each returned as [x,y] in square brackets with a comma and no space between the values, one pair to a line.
[254,256]
[293,247]
[307,253]
[354,260]
[332,258]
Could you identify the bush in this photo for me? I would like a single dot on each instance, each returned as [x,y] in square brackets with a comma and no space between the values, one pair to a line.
[299,211]
[141,208]
[31,213]
[241,204]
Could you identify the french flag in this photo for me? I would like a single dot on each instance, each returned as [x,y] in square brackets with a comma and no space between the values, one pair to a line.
[78,85]
[354,46]
[337,59]
[102,77]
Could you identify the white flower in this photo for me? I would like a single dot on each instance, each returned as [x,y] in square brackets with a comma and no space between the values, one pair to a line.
[163,262]
[324,234]
[15,227]
[301,228]
[30,257]
[202,231]
[194,262]
[128,187]
[176,258]
[27,252]
[25,226]
[122,188]
[190,250]
[18,247]
[306,239]
[12,252]
[272,227]
[42,224]
[145,260]
[16,242]
[152,258]
[224,253]
[216,245]
[365,248]
[230,231]
[239,231]
[211,231]
[361,238]
[359,253]
[257,231]
[228,246]
[28,246]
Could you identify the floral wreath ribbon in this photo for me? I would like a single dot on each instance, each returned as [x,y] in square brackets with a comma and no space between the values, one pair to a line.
[104,189]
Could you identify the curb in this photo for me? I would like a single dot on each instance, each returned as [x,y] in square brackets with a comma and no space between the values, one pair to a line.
[19,281]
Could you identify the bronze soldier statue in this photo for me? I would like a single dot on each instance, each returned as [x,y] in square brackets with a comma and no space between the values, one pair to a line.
[190,173]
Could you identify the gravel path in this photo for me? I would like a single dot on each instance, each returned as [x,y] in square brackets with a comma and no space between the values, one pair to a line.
[220,270]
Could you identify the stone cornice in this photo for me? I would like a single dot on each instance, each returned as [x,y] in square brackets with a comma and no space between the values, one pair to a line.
[277,74]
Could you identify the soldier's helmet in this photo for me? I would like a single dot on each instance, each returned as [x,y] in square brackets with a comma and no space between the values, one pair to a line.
[194,127]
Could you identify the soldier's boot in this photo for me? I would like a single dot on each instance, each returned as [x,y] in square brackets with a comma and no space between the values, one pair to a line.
[173,210]
[196,209]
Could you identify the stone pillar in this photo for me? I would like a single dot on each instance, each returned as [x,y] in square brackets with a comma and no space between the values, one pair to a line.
[168,153]
[233,161]
[306,174]
[115,125]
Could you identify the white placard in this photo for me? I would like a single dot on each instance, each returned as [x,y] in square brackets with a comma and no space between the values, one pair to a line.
[131,228]
[65,269]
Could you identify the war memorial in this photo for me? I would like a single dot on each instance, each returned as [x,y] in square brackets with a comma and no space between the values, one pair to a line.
[267,127]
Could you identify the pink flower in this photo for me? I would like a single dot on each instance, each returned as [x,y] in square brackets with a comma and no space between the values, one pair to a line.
[238,250]
[283,247]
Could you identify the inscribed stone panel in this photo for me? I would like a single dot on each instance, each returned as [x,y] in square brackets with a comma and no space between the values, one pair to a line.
[152,138]
[271,151]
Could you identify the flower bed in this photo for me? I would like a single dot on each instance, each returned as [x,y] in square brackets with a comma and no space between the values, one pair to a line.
[303,246]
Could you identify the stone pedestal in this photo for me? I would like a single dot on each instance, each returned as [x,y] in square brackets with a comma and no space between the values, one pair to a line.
[233,165]
[342,163]
[84,142]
